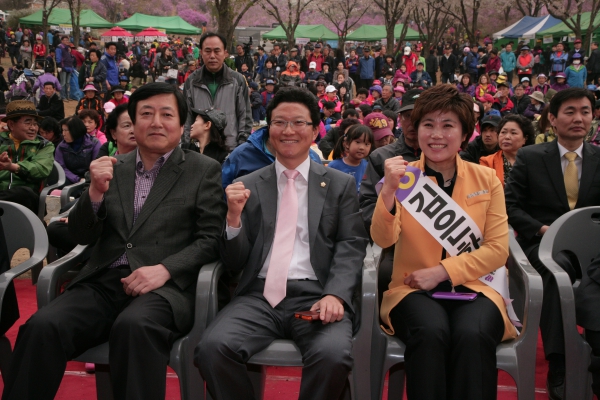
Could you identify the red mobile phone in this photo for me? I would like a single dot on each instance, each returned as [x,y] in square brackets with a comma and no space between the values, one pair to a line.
[307,315]
[454,296]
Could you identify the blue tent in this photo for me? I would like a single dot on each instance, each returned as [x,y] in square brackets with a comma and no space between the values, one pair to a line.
[527,27]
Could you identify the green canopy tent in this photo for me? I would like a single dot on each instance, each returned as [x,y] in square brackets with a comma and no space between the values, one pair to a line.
[172,25]
[62,16]
[373,33]
[562,29]
[312,32]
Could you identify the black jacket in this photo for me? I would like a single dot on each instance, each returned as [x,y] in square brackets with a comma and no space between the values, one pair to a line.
[593,64]
[475,150]
[51,107]
[448,65]
[520,104]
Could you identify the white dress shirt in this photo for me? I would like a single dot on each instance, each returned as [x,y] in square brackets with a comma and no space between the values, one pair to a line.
[300,266]
[578,161]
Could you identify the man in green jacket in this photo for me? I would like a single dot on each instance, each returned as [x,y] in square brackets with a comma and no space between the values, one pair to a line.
[26,159]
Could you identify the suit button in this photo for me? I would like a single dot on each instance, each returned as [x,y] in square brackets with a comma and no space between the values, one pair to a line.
[129,245]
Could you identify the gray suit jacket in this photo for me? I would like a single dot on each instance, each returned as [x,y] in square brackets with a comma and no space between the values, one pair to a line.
[337,236]
[178,225]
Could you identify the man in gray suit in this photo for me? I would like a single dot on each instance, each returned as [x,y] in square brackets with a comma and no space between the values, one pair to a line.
[320,271]
[155,215]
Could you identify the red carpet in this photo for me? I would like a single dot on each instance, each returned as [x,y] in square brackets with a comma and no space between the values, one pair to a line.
[282,383]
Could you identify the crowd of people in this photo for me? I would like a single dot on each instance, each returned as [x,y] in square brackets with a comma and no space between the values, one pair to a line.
[285,167]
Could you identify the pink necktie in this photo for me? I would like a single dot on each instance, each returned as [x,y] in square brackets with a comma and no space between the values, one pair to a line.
[283,243]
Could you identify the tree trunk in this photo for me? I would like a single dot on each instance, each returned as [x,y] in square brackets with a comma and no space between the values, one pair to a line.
[224,23]
[289,33]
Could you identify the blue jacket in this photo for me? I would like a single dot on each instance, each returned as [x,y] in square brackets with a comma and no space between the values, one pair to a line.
[260,65]
[576,78]
[251,156]
[77,162]
[112,69]
[367,67]
[509,61]
[424,77]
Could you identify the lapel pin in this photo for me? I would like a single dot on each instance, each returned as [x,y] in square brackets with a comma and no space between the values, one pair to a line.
[323,184]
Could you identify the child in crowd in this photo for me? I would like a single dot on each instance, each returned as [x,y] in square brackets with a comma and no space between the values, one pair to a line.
[256,102]
[351,151]
[91,120]
[247,74]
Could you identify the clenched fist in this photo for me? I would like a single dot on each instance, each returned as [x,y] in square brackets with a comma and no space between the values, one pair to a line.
[101,173]
[237,196]
[394,169]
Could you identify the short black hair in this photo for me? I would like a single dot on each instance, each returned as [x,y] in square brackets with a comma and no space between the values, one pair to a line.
[50,124]
[329,105]
[107,45]
[297,95]
[97,52]
[570,94]
[75,125]
[154,89]
[364,91]
[213,34]
[112,121]
[350,112]
[50,84]
[393,116]
[366,109]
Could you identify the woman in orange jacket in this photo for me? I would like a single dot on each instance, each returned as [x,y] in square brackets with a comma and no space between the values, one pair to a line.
[514,132]
[450,344]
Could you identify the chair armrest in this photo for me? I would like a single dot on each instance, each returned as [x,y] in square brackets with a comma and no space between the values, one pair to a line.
[65,193]
[59,216]
[206,306]
[49,281]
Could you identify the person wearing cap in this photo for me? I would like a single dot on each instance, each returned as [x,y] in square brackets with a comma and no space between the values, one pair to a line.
[514,132]
[520,100]
[292,76]
[410,59]
[502,101]
[312,75]
[560,82]
[444,337]
[509,61]
[206,134]
[536,106]
[558,61]
[399,93]
[317,57]
[527,88]
[39,49]
[387,100]
[381,128]
[525,63]
[420,77]
[542,85]
[547,181]
[294,55]
[50,104]
[577,49]
[484,144]
[124,82]
[90,101]
[26,159]
[366,67]
[448,65]
[576,73]
[118,96]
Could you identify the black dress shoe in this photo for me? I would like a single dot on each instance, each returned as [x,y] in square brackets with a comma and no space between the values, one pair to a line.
[555,384]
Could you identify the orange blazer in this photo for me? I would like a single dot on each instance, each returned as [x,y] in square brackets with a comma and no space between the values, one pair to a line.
[496,162]
[480,194]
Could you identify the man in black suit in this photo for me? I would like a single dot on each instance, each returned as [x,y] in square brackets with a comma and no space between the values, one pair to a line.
[326,243]
[547,181]
[50,104]
[155,216]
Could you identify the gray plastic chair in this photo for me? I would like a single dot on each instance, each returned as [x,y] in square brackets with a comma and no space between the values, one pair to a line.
[56,180]
[68,191]
[577,231]
[285,353]
[517,356]
[22,229]
[182,352]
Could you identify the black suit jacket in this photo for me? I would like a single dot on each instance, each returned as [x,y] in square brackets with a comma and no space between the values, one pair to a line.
[337,237]
[535,189]
[587,297]
[178,226]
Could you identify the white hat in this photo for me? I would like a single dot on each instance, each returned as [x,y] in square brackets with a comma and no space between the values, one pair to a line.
[330,89]
[525,79]
[312,65]
[407,50]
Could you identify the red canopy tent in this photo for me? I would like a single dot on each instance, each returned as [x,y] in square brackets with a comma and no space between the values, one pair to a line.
[115,33]
[150,34]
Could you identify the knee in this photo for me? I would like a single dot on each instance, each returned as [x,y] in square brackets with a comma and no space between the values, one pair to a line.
[42,322]
[431,335]
[331,355]
[128,324]
[211,348]
[473,337]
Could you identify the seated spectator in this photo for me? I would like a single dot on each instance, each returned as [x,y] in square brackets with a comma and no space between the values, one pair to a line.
[465,85]
[50,130]
[119,133]
[420,77]
[91,119]
[77,150]
[286,272]
[90,100]
[329,141]
[514,132]
[542,85]
[536,106]
[207,134]
[118,96]
[561,82]
[26,159]
[381,128]
[291,76]
[521,100]
[502,100]
[442,337]
[484,87]
[50,104]
[544,130]
[387,100]
[484,144]
[351,151]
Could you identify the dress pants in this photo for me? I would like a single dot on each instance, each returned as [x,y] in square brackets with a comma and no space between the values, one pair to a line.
[249,324]
[140,330]
[22,195]
[450,346]
[60,238]
[551,324]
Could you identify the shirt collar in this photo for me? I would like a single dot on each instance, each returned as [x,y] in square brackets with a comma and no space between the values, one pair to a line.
[159,163]
[563,151]
[303,168]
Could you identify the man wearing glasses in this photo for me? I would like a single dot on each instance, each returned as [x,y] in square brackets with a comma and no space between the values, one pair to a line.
[294,228]
[26,159]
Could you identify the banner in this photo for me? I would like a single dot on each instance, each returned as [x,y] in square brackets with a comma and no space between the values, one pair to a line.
[302,40]
[548,39]
[449,224]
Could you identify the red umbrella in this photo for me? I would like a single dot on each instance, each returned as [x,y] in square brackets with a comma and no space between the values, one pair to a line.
[118,32]
[150,32]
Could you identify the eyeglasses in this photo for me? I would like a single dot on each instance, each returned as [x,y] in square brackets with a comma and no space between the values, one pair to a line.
[296,125]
